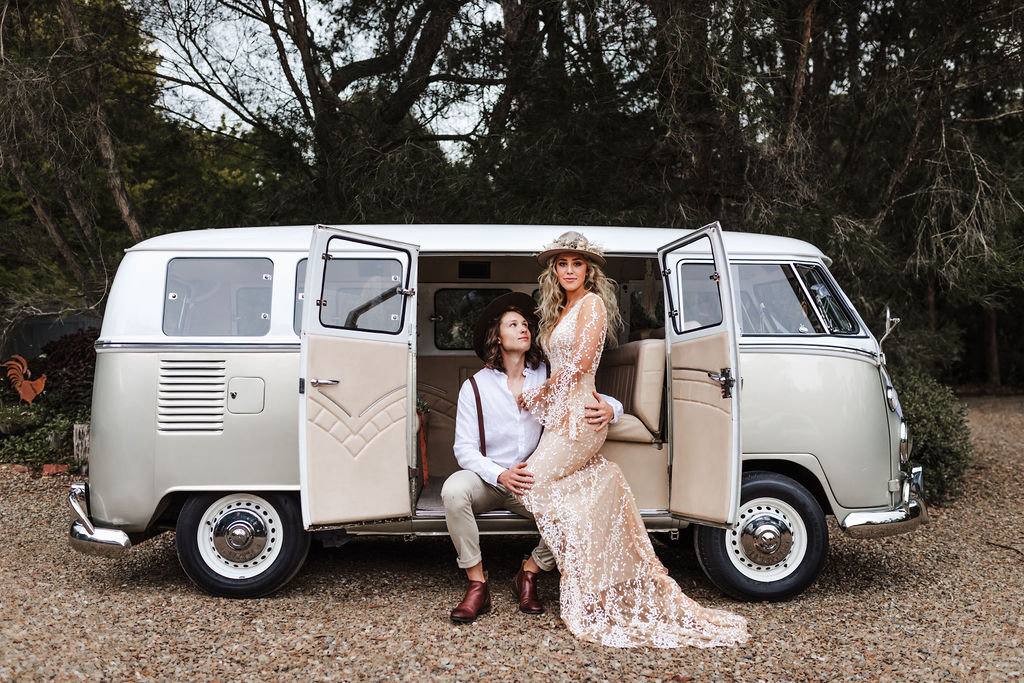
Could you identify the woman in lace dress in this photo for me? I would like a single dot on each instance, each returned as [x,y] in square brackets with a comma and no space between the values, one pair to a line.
[614,590]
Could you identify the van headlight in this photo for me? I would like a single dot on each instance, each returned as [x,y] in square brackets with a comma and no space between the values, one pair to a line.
[906,444]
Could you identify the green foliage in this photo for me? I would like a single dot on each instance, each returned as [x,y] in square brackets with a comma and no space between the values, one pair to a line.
[51,442]
[18,418]
[938,427]
[43,432]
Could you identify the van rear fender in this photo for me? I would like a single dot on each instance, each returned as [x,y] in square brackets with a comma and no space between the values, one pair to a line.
[797,472]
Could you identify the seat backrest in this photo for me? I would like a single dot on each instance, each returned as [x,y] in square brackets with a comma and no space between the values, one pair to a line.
[634,373]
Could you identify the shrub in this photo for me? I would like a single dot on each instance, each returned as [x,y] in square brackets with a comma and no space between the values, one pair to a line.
[938,427]
[69,364]
[19,417]
[44,432]
[51,442]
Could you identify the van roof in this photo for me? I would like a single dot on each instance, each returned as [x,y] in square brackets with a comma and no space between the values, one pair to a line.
[469,238]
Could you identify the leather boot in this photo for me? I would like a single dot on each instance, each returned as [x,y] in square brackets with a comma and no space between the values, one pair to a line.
[524,589]
[476,602]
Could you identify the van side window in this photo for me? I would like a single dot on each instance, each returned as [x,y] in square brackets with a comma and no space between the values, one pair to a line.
[218,297]
[770,300]
[701,305]
[455,314]
[826,300]
[363,294]
[300,294]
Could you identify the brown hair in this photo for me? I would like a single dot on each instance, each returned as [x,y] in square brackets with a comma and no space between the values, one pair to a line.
[492,343]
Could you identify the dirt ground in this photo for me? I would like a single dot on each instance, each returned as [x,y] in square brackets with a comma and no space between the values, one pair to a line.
[941,603]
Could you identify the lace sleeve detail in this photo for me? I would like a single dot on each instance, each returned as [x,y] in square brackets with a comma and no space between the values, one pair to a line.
[558,403]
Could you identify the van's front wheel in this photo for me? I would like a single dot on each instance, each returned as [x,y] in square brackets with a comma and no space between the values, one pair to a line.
[778,548]
[241,545]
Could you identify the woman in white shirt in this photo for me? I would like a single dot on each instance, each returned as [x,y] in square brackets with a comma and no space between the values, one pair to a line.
[491,451]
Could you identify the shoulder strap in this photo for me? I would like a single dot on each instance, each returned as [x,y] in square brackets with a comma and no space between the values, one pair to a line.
[479,415]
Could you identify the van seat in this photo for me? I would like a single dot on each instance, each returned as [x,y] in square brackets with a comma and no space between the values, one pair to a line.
[634,373]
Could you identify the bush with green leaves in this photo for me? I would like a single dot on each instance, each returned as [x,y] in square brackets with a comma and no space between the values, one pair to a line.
[43,432]
[938,427]
[52,441]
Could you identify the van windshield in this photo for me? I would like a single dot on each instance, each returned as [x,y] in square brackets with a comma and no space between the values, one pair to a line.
[783,299]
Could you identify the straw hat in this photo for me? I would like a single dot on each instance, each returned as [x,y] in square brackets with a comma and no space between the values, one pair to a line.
[574,242]
[523,303]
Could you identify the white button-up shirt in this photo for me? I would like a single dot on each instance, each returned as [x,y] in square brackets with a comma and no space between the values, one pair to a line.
[512,434]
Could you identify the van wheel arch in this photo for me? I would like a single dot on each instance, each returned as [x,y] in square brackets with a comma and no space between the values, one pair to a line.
[797,473]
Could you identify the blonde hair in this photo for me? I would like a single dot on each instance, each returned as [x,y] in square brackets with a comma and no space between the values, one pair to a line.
[552,298]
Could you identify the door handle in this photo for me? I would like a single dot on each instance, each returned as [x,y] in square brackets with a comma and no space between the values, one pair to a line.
[726,380]
[323,382]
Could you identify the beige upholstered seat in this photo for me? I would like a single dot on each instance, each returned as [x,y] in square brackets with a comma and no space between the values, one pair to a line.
[634,373]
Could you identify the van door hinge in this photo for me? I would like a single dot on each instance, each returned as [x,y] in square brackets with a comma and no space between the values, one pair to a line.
[326,257]
[666,272]
[321,302]
[407,292]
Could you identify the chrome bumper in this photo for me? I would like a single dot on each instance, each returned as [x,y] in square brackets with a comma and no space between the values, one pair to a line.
[86,538]
[910,513]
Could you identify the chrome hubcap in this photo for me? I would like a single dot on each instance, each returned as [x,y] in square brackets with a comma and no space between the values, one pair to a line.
[239,536]
[766,540]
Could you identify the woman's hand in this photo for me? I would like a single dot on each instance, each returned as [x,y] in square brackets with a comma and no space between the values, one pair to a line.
[599,415]
[516,479]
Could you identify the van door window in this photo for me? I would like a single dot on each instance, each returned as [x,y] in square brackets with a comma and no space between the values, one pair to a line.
[362,294]
[770,300]
[455,314]
[701,305]
[826,300]
[218,297]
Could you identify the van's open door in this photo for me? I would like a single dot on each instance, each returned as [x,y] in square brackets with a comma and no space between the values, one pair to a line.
[703,352]
[357,399]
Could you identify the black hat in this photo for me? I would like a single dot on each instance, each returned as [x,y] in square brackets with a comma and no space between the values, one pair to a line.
[524,303]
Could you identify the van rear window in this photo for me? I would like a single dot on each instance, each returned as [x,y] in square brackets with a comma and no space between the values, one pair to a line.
[455,314]
[218,297]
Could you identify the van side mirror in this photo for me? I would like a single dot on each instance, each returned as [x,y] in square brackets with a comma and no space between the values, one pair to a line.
[890,325]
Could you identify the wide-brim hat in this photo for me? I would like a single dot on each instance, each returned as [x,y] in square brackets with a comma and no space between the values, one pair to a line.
[575,243]
[519,301]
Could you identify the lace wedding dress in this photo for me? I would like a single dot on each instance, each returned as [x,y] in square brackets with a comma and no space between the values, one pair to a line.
[614,590]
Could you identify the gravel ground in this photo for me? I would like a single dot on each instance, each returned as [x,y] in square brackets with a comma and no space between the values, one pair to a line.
[942,603]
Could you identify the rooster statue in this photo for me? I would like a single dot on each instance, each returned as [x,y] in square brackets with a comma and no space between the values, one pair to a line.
[18,373]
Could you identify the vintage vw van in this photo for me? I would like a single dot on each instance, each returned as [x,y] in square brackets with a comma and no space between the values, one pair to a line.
[257,387]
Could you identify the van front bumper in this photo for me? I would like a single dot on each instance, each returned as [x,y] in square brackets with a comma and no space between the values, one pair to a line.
[910,513]
[89,539]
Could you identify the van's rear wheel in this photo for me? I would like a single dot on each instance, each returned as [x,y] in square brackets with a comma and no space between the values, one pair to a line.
[241,545]
[777,550]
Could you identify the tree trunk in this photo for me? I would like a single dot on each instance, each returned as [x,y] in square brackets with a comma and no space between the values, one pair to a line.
[48,221]
[991,349]
[799,74]
[929,302]
[104,141]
